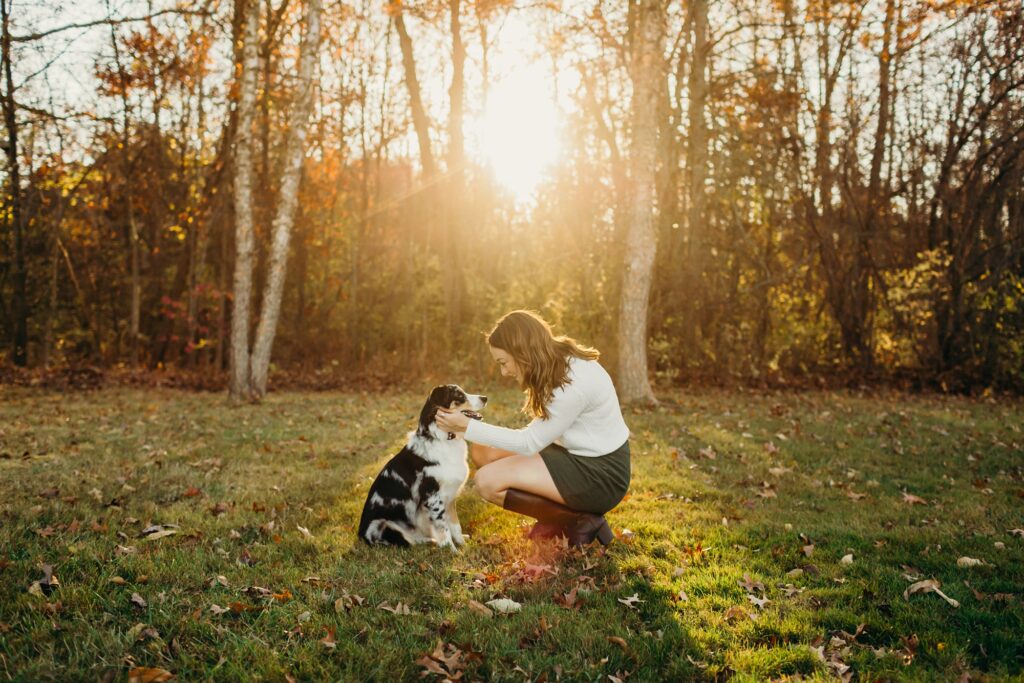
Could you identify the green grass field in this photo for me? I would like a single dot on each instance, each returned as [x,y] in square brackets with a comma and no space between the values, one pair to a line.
[730,561]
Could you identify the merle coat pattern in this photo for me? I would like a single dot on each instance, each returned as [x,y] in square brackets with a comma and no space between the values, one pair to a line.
[412,500]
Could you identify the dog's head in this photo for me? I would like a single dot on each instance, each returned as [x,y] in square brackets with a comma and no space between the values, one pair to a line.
[449,396]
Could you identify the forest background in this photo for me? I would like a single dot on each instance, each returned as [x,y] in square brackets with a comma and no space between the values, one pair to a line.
[711,189]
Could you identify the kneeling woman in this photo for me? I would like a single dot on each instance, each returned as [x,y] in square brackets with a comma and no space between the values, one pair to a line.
[570,465]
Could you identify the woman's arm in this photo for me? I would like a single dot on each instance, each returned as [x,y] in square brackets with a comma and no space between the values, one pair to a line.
[564,408]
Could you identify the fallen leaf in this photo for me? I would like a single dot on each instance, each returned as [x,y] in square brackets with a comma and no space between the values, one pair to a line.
[152,533]
[481,608]
[46,585]
[969,562]
[759,602]
[117,580]
[328,640]
[305,532]
[911,499]
[749,584]
[283,596]
[218,610]
[219,508]
[736,612]
[621,642]
[928,586]
[399,608]
[1016,532]
[632,601]
[568,600]
[138,601]
[191,492]
[847,559]
[149,675]
[504,605]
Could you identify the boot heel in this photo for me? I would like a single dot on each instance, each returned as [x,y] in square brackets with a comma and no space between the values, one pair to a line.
[604,534]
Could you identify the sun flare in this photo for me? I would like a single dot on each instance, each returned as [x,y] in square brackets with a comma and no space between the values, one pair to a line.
[519,130]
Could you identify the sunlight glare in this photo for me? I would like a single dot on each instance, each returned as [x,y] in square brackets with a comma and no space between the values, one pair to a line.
[519,130]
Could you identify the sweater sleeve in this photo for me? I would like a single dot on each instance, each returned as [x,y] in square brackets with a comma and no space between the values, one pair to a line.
[565,406]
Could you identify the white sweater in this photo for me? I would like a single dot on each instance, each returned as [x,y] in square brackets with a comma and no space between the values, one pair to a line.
[583,416]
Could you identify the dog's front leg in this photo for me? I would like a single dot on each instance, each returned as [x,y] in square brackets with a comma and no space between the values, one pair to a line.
[455,525]
[439,521]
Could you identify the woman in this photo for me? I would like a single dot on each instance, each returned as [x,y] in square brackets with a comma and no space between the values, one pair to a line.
[570,465]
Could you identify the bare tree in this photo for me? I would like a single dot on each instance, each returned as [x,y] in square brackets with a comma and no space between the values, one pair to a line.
[240,384]
[645,69]
[294,154]
[20,303]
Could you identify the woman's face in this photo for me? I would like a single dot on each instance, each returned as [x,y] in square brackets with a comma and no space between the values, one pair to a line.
[508,365]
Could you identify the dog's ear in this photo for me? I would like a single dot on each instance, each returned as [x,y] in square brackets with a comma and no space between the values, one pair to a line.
[434,401]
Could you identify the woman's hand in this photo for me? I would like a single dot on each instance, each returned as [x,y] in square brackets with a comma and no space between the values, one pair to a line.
[451,421]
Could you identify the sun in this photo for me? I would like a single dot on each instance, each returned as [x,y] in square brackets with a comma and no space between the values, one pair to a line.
[519,130]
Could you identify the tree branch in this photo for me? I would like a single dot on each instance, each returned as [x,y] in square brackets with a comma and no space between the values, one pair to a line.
[27,38]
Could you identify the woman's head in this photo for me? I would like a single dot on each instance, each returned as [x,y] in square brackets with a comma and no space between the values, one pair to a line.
[524,347]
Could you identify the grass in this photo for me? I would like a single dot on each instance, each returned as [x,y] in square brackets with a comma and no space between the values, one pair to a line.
[730,492]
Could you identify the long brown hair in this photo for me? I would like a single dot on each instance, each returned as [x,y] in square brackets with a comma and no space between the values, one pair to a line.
[542,357]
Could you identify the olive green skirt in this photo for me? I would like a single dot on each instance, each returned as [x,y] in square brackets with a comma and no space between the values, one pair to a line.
[589,484]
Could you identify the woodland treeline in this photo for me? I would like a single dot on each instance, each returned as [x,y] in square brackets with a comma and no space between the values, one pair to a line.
[754,190]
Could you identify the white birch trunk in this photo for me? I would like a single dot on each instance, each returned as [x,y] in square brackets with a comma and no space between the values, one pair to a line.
[239,388]
[295,150]
[646,68]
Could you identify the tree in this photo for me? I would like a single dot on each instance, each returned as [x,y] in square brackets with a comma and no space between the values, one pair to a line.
[19,338]
[240,386]
[295,151]
[645,70]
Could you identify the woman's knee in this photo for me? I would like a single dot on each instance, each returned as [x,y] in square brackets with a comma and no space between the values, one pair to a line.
[489,484]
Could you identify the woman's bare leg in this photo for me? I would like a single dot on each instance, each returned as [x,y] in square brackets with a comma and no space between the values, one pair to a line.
[485,455]
[523,472]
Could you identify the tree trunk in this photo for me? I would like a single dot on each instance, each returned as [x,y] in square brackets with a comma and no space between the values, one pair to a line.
[295,149]
[696,164]
[240,387]
[19,307]
[641,240]
[419,114]
[452,229]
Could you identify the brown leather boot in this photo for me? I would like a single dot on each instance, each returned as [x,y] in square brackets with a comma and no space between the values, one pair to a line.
[581,528]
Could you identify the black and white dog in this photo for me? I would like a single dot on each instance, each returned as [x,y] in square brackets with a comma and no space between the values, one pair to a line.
[412,500]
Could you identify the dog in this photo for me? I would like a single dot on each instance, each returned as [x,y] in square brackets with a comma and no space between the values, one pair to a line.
[412,500]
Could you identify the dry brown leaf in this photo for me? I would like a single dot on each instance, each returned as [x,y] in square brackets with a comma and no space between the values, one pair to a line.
[399,608]
[328,641]
[965,562]
[481,608]
[138,601]
[149,675]
[911,499]
[736,612]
